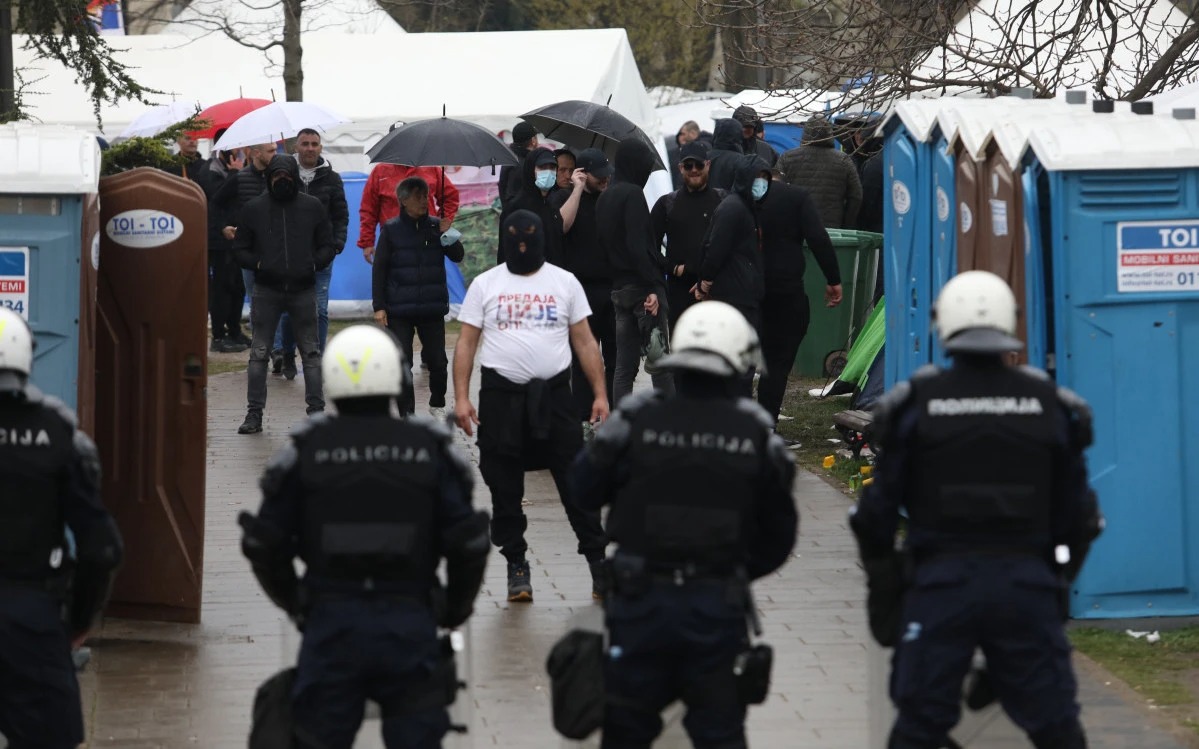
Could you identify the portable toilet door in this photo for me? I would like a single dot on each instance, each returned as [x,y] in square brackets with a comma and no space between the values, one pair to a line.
[350,286]
[1123,246]
[907,229]
[49,253]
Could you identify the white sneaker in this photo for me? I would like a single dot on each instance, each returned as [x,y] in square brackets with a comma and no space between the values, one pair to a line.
[437,413]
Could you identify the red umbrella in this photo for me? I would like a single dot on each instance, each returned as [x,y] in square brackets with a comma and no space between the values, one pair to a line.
[225,114]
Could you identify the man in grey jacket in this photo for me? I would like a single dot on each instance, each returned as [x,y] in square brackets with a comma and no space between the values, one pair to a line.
[828,174]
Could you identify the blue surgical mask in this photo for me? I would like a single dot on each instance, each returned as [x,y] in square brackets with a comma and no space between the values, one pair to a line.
[758,190]
[546,179]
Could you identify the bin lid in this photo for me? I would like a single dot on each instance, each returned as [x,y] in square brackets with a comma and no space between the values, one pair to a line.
[1115,141]
[48,159]
[854,239]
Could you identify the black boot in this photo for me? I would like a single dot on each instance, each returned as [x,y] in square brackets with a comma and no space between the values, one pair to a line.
[289,367]
[252,424]
[276,361]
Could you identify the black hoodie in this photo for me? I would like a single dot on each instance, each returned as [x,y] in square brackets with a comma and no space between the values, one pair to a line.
[622,214]
[529,198]
[510,180]
[789,219]
[733,261]
[284,241]
[726,154]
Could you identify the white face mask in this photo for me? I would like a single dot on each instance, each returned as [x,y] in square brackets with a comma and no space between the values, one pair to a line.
[546,179]
[758,190]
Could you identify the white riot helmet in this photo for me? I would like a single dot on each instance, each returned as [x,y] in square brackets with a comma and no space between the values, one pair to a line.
[714,338]
[362,361]
[16,351]
[976,314]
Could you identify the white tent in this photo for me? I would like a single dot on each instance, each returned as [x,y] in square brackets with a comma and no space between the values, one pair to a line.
[997,30]
[375,80]
[260,22]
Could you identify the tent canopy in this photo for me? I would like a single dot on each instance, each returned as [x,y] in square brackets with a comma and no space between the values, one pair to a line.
[478,77]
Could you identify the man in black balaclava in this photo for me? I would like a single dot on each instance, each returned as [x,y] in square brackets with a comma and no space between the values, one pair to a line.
[528,314]
[638,282]
[284,237]
[539,179]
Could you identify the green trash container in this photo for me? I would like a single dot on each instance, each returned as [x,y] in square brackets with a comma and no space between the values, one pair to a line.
[832,331]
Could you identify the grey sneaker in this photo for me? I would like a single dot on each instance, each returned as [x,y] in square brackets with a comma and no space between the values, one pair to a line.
[437,413]
[520,587]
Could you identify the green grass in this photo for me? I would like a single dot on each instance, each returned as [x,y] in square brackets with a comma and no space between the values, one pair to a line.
[812,426]
[1158,671]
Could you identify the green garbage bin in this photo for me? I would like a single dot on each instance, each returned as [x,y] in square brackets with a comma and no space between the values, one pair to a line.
[831,331]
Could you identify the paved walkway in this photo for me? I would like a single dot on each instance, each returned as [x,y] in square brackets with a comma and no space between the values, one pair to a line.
[172,686]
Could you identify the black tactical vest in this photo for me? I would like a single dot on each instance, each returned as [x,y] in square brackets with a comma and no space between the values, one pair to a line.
[693,473]
[369,488]
[982,456]
[35,450]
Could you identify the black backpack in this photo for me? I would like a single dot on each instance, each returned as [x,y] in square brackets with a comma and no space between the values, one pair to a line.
[271,726]
[576,670]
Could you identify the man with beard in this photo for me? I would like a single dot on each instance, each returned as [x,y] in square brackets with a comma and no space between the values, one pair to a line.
[584,257]
[528,314]
[638,284]
[285,237]
[752,129]
[682,219]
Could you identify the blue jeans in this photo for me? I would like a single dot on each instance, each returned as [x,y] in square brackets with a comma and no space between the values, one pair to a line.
[285,340]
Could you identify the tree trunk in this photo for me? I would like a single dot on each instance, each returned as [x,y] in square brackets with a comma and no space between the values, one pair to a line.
[293,52]
[8,102]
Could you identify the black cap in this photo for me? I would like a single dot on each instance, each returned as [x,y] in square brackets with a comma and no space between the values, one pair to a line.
[746,115]
[594,162]
[544,156]
[523,132]
[693,150]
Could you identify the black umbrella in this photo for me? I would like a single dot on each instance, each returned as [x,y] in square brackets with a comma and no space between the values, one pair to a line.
[442,142]
[585,124]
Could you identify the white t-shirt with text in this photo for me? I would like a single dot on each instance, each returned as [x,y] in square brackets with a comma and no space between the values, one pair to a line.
[525,320]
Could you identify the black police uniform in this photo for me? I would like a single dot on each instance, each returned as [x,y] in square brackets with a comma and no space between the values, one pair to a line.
[987,461]
[371,504]
[51,477]
[700,490]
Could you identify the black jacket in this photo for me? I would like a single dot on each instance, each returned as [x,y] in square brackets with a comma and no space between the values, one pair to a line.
[870,217]
[624,226]
[326,186]
[408,276]
[510,177]
[683,218]
[582,253]
[788,219]
[761,148]
[732,256]
[529,198]
[725,154]
[211,179]
[235,194]
[285,242]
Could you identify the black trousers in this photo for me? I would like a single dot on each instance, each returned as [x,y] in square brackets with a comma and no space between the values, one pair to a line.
[679,297]
[785,317]
[508,447]
[603,327]
[432,340]
[225,294]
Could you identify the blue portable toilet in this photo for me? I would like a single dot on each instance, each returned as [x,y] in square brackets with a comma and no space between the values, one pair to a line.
[909,207]
[1119,243]
[50,252]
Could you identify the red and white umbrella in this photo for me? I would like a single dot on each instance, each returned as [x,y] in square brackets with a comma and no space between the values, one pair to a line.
[277,121]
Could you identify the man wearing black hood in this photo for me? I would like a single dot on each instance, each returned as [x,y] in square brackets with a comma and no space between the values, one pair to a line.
[539,177]
[788,219]
[725,154]
[524,140]
[752,128]
[638,284]
[732,269]
[528,314]
[828,174]
[284,237]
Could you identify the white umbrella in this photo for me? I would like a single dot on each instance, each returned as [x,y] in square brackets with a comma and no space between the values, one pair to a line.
[154,121]
[276,121]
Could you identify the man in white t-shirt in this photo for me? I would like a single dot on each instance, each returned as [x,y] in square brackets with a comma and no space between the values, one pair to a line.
[528,313]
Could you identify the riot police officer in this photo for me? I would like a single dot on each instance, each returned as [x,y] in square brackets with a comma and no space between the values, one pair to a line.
[370,503]
[987,461]
[700,493]
[50,472]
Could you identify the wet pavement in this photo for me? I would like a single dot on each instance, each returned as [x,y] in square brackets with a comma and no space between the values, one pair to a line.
[169,685]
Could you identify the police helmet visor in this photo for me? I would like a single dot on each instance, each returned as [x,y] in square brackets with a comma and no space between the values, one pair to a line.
[697,360]
[982,341]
